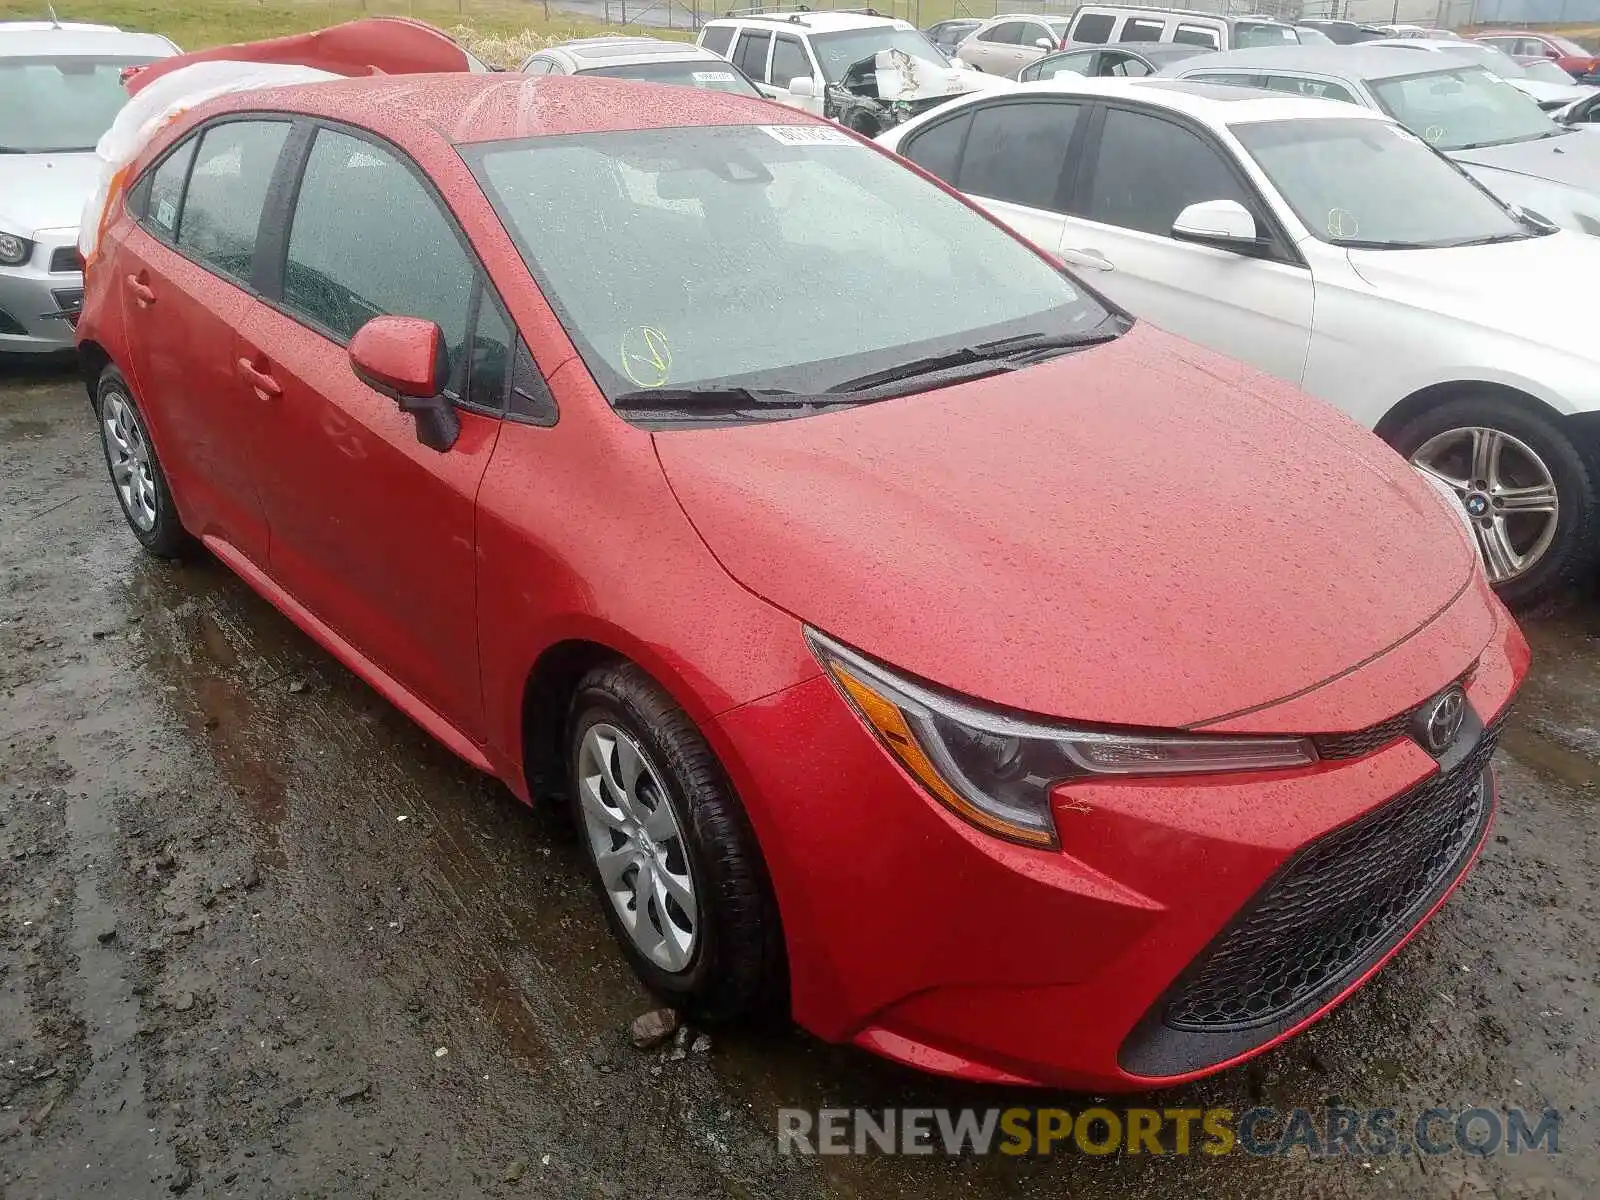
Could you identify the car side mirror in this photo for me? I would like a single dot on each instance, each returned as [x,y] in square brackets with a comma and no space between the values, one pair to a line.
[803,86]
[1226,224]
[1044,43]
[404,358]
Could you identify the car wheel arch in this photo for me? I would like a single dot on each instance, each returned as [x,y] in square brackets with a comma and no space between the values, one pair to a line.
[93,359]
[1407,409]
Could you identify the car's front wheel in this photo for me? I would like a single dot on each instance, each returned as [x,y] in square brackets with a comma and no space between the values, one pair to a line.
[136,475]
[683,883]
[1528,492]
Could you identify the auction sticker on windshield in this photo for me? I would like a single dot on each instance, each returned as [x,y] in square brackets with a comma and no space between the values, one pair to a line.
[712,76]
[807,135]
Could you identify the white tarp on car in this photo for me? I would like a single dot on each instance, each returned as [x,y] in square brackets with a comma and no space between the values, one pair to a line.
[163,101]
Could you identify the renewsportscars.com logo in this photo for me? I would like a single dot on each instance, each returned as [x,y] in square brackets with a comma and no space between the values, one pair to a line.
[1327,1133]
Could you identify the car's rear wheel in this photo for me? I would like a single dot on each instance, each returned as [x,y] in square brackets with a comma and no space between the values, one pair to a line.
[1526,489]
[683,883]
[136,475]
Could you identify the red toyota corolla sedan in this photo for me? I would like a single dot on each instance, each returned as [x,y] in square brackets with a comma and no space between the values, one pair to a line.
[1009,688]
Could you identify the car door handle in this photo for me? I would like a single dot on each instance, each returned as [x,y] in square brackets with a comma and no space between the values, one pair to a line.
[1092,259]
[262,381]
[142,292]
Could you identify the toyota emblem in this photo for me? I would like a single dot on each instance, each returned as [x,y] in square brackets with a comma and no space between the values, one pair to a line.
[1442,719]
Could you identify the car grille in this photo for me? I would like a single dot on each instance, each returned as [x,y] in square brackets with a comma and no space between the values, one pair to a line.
[1362,741]
[70,302]
[1333,905]
[65,260]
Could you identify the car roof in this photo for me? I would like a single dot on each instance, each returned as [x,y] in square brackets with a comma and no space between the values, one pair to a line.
[816,21]
[1151,50]
[27,39]
[1215,104]
[1264,18]
[625,51]
[1340,62]
[462,107]
[1058,18]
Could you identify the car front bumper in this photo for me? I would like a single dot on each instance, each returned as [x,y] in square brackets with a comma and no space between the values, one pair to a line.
[39,304]
[916,936]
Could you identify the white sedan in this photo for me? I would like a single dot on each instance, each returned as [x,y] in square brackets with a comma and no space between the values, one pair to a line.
[1326,245]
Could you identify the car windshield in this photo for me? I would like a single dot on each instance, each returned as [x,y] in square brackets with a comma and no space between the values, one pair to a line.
[763,257]
[838,52]
[1462,109]
[1262,33]
[1369,184]
[1569,47]
[692,73]
[59,103]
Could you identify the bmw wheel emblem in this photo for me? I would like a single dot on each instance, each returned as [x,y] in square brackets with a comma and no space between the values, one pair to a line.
[1477,504]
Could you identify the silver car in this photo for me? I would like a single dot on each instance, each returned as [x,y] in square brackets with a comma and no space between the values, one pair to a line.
[648,58]
[60,87]
[1498,134]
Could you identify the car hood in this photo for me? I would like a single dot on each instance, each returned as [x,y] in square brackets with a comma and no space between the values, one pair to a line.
[1551,95]
[1569,159]
[45,191]
[1143,533]
[1535,288]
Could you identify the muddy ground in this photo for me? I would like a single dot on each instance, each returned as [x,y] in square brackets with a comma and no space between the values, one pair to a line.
[260,937]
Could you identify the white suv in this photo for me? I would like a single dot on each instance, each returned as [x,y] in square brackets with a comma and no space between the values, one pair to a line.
[794,56]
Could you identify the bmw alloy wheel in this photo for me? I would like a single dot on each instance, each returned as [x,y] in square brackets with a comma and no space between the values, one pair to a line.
[128,452]
[1507,490]
[638,846]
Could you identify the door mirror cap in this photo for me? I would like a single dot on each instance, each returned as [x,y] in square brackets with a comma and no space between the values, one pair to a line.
[404,358]
[1044,43]
[1224,223]
[803,86]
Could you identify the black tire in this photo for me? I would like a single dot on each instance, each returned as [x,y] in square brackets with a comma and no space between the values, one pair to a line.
[866,126]
[1571,555]
[165,537]
[737,965]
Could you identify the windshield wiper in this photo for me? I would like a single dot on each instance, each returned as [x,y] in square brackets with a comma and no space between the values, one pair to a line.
[713,402]
[1490,239]
[984,358]
[1360,244]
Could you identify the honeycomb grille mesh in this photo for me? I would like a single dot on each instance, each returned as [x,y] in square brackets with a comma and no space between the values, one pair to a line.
[1343,897]
[1362,741]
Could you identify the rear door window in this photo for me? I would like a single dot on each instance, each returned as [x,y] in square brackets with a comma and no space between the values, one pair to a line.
[1142,29]
[1197,35]
[717,39]
[751,54]
[1007,33]
[1319,89]
[1093,27]
[1017,152]
[227,191]
[937,149]
[163,196]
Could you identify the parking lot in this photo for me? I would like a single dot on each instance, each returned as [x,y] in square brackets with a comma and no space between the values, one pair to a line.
[263,937]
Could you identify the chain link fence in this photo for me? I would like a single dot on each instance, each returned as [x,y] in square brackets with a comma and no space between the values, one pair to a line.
[691,14]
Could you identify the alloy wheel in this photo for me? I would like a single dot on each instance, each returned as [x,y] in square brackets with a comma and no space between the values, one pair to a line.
[1506,489]
[638,846]
[128,453]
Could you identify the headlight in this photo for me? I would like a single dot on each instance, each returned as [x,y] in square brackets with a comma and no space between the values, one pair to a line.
[14,250]
[996,771]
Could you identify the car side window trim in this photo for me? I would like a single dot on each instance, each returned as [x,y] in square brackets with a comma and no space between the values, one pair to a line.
[1282,249]
[283,197]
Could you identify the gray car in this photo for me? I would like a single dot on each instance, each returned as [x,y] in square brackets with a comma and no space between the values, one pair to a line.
[60,88]
[1488,126]
[647,58]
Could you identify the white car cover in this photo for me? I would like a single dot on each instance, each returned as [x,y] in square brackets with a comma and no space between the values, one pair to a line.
[163,101]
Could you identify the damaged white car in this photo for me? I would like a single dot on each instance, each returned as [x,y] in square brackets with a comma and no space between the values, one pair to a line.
[892,86]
